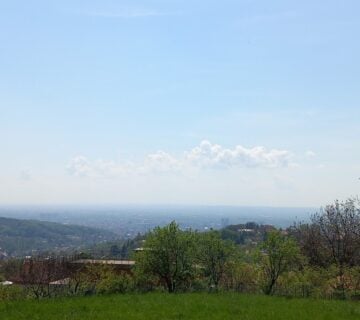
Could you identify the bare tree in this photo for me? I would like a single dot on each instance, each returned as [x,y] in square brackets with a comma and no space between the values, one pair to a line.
[37,276]
[333,237]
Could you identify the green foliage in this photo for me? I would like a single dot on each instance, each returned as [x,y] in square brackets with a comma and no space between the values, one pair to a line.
[19,237]
[110,283]
[242,277]
[213,255]
[11,293]
[118,249]
[352,275]
[168,256]
[174,260]
[277,254]
[245,234]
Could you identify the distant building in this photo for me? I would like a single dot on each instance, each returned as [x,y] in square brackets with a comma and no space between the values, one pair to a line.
[118,265]
[57,271]
[246,230]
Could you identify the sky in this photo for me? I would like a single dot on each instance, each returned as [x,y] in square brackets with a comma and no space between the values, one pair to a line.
[232,102]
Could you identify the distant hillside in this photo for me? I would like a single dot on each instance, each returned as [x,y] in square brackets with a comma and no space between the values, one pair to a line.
[19,237]
[249,233]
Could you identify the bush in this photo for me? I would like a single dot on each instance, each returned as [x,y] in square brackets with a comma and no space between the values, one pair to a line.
[115,283]
[11,293]
[242,277]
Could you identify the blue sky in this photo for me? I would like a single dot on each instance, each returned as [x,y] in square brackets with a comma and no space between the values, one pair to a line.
[170,102]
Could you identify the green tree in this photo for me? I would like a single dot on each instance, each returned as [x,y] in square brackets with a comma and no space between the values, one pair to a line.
[113,282]
[168,256]
[214,255]
[277,254]
[114,250]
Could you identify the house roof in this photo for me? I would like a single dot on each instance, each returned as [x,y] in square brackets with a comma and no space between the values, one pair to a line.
[110,262]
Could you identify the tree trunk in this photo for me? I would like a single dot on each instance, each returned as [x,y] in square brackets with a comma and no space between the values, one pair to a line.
[269,288]
[170,285]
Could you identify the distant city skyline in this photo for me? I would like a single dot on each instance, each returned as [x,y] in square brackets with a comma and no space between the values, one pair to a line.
[249,103]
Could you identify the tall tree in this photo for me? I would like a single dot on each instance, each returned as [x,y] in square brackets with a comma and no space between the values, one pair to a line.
[277,254]
[214,255]
[168,255]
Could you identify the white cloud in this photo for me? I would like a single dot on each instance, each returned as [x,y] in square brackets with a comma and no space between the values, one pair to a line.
[161,162]
[310,154]
[82,167]
[214,155]
[204,156]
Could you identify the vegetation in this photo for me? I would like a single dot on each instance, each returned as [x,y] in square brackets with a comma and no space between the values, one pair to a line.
[319,259]
[117,249]
[181,306]
[214,255]
[278,254]
[246,234]
[168,255]
[21,237]
[332,239]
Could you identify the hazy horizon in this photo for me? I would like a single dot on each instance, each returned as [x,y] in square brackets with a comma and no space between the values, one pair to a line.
[144,217]
[101,206]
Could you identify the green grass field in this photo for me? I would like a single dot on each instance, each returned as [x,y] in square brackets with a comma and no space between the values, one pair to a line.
[180,306]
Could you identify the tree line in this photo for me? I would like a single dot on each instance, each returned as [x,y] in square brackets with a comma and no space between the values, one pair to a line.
[319,258]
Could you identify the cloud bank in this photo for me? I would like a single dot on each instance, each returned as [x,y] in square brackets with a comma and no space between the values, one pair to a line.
[205,156]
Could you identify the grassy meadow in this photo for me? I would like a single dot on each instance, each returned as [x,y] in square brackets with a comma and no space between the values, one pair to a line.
[180,306]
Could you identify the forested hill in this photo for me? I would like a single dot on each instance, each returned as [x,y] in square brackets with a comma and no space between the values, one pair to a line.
[19,237]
